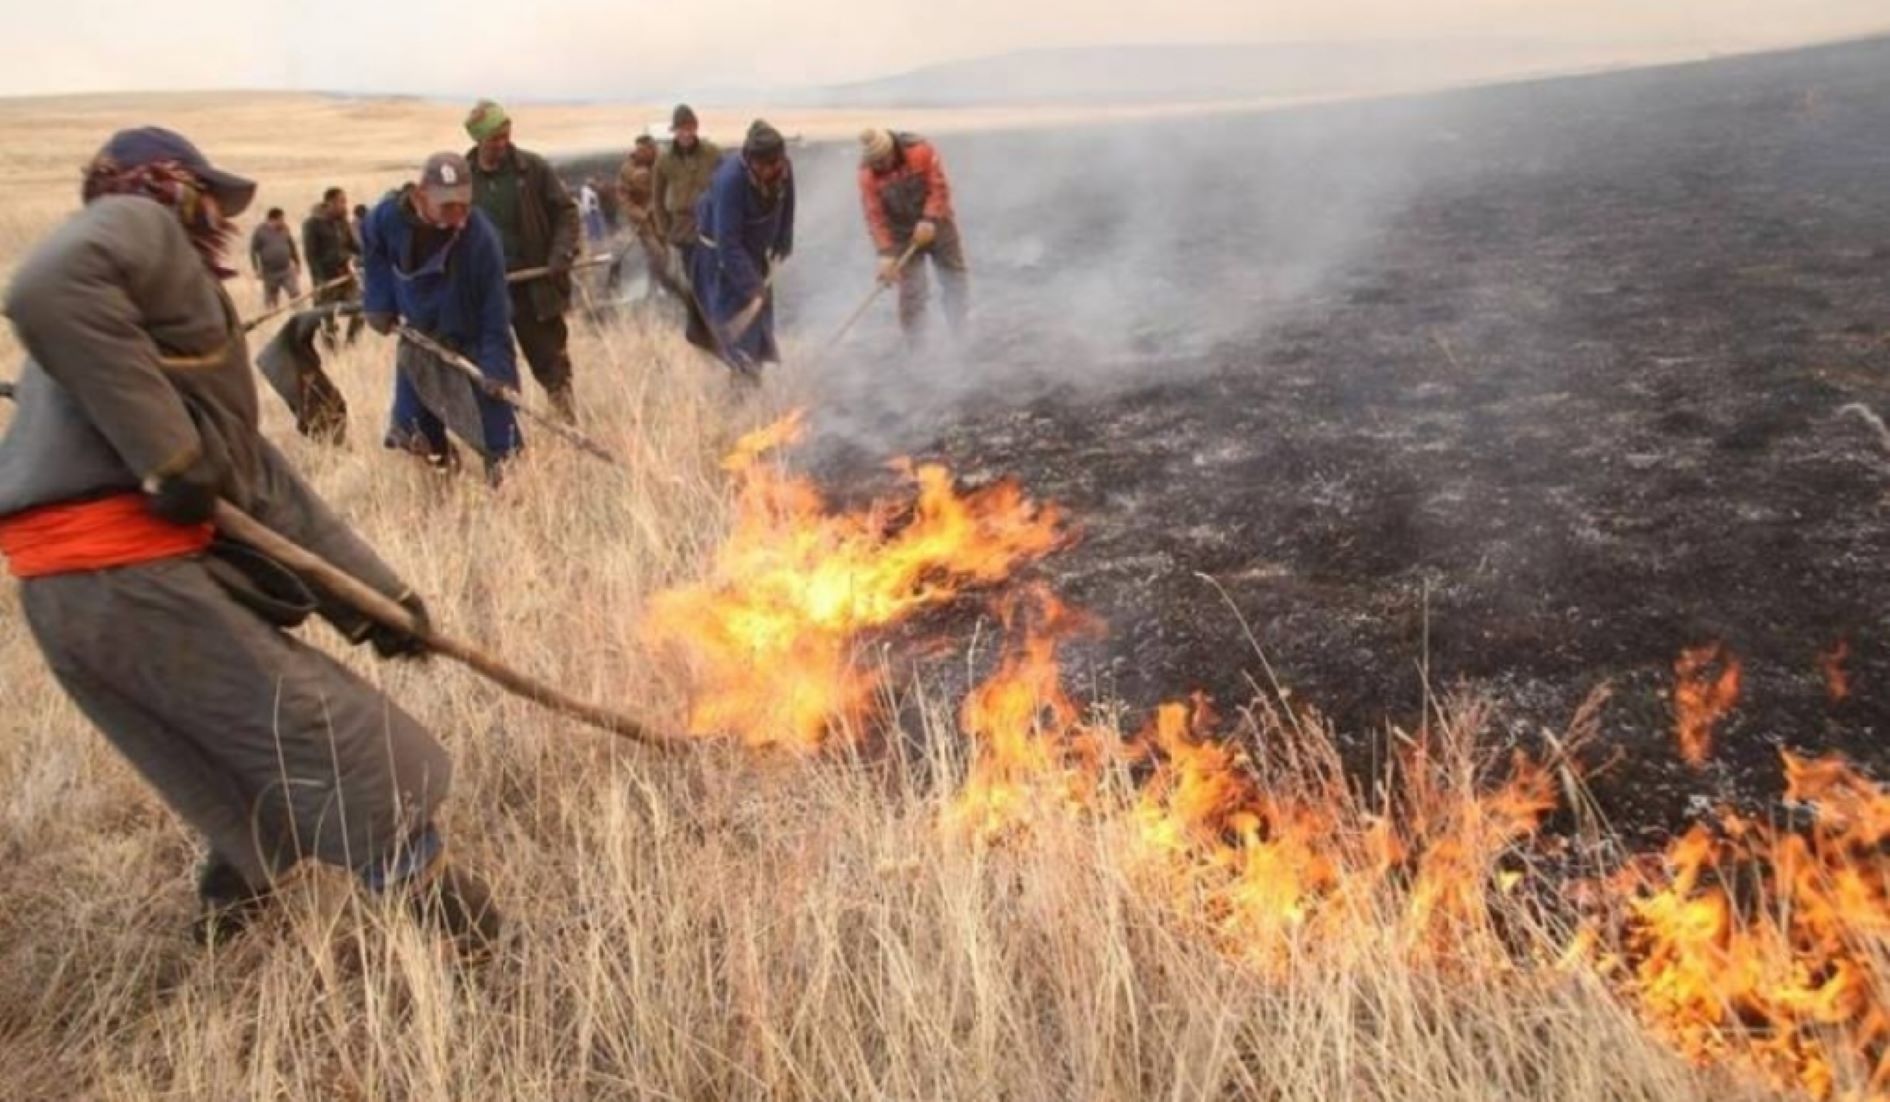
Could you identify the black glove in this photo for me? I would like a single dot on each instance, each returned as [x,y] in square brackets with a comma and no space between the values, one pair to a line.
[396,643]
[382,323]
[187,497]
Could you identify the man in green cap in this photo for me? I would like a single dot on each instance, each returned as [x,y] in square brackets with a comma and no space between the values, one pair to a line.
[537,222]
[680,179]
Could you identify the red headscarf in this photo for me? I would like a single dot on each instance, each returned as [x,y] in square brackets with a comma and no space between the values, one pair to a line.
[176,187]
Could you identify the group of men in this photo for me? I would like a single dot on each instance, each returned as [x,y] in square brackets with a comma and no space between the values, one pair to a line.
[330,244]
[138,422]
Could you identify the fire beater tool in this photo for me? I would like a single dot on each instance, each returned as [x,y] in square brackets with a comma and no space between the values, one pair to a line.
[506,394]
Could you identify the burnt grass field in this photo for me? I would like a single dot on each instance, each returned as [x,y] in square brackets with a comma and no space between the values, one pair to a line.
[1531,386]
[1534,385]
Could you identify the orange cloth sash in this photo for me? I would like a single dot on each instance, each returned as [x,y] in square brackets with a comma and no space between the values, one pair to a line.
[94,535]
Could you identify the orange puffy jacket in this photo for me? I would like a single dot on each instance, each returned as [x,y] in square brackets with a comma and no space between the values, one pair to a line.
[914,190]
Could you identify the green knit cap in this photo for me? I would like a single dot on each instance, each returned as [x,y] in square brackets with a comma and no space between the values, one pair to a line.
[487,118]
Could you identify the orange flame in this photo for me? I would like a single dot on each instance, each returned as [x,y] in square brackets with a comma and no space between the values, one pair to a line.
[770,636]
[1834,663]
[1772,947]
[1263,852]
[1702,698]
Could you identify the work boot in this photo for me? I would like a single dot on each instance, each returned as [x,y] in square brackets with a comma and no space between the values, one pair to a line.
[227,902]
[457,903]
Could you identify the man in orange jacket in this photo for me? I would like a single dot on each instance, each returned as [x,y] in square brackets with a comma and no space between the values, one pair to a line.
[909,210]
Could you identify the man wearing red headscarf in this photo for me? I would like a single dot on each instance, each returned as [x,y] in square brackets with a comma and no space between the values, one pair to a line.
[138,413]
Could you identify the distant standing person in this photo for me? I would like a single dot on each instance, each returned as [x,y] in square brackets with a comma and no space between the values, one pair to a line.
[678,182]
[908,203]
[274,259]
[333,249]
[747,224]
[537,222]
[435,263]
[591,209]
[636,189]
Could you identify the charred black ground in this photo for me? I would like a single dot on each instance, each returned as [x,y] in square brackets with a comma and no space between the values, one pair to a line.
[1564,390]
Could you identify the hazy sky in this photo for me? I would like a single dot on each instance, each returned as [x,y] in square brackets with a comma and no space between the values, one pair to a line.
[595,48]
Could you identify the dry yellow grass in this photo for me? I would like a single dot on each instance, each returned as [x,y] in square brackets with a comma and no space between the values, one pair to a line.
[709,926]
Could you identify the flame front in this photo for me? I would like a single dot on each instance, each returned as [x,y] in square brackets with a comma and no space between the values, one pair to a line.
[1264,848]
[1759,946]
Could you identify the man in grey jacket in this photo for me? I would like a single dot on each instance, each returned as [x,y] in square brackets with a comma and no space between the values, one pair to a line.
[138,412]
[274,259]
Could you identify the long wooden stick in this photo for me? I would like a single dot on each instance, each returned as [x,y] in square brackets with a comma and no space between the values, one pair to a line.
[384,611]
[526,275]
[298,300]
[495,389]
[523,275]
[879,288]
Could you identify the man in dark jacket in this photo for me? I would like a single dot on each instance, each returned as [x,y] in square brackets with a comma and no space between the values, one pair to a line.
[679,180]
[747,226]
[908,203]
[332,251]
[537,222]
[435,263]
[274,259]
[138,412]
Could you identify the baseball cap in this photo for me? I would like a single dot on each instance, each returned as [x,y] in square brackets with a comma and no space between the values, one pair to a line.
[446,178]
[148,144]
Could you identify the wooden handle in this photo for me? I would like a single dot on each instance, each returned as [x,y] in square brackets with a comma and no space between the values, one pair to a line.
[387,612]
[879,288]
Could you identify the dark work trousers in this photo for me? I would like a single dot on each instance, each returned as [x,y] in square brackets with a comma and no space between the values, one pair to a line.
[947,255]
[544,342]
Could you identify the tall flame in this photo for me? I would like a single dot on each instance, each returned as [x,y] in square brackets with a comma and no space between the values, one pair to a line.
[769,636]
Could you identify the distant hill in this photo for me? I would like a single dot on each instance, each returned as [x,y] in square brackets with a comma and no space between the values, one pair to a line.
[1146,74]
